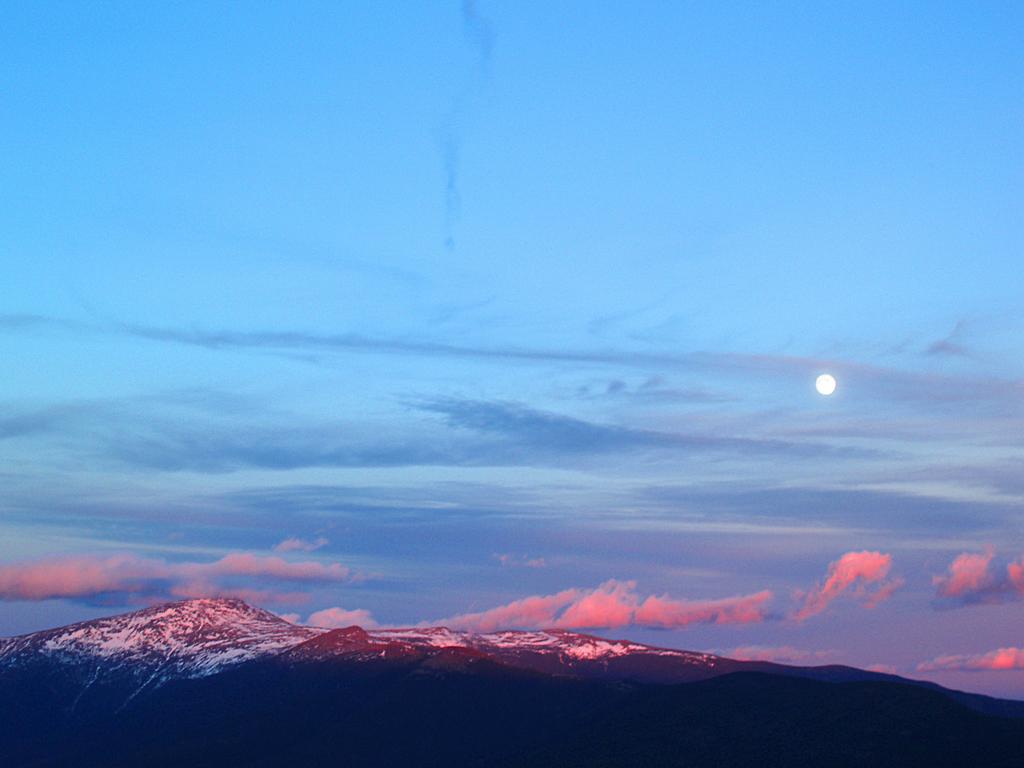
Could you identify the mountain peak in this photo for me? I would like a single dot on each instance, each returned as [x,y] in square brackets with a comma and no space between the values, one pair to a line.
[189,638]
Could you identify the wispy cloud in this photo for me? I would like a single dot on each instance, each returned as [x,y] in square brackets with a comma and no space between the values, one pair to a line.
[786,654]
[850,575]
[951,345]
[864,509]
[611,605]
[508,560]
[1000,659]
[295,544]
[129,578]
[530,428]
[882,384]
[339,618]
[153,435]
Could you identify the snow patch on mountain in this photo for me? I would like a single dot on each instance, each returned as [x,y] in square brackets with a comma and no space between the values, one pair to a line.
[190,638]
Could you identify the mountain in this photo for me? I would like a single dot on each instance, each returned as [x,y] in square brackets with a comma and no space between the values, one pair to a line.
[190,638]
[218,682]
[553,652]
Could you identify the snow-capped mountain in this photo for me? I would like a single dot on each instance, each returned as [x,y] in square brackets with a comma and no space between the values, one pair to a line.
[218,682]
[562,652]
[189,638]
[201,637]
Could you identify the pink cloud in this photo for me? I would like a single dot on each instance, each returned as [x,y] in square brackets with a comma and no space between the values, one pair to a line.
[535,612]
[145,579]
[1000,659]
[610,605]
[968,574]
[851,574]
[1015,573]
[613,604]
[338,618]
[294,544]
[71,577]
[668,613]
[885,669]
[970,579]
[247,564]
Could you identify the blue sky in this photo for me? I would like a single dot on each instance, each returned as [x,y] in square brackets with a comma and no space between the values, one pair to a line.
[504,299]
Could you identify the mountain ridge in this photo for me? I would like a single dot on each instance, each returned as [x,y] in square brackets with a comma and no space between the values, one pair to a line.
[201,637]
[230,684]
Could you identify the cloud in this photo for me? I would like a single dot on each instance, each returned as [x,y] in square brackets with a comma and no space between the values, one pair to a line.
[851,574]
[339,618]
[137,579]
[952,344]
[783,654]
[247,564]
[968,575]
[970,580]
[999,395]
[535,612]
[530,432]
[294,544]
[1000,659]
[189,435]
[519,561]
[667,613]
[849,508]
[1015,575]
[204,588]
[611,605]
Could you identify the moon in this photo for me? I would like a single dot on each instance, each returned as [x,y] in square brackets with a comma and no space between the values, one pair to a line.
[825,384]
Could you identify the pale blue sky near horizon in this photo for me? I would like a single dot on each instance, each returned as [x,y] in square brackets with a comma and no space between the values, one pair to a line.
[445,281]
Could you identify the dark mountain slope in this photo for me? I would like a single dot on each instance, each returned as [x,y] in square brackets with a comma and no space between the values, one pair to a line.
[753,719]
[468,711]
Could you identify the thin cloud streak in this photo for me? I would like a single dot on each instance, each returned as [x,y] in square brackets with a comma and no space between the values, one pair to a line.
[471,433]
[786,654]
[1003,659]
[889,383]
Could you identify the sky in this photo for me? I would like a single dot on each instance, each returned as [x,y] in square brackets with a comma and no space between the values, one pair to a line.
[509,315]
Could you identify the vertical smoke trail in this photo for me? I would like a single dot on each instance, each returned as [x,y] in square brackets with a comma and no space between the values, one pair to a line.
[478,30]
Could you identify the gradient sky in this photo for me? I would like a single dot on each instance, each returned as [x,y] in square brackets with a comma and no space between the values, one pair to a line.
[419,311]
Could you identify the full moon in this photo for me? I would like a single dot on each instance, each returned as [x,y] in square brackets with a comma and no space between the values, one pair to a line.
[825,384]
